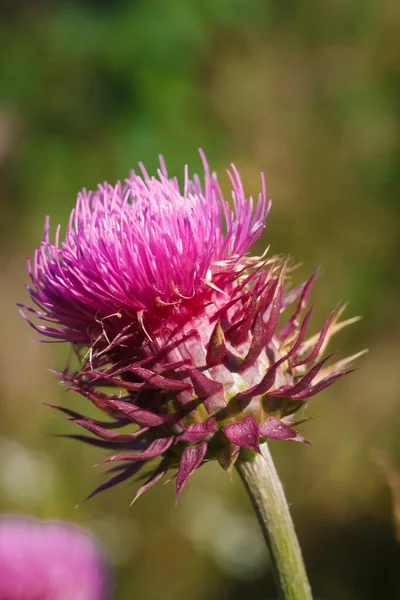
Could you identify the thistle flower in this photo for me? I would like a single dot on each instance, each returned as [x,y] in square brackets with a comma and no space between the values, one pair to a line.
[154,287]
[49,561]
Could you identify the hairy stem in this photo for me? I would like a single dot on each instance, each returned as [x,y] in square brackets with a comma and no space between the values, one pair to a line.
[266,492]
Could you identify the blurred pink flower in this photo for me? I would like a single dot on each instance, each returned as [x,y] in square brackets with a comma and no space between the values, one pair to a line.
[42,560]
[156,286]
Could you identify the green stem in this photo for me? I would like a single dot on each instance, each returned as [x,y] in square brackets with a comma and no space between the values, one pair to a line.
[266,492]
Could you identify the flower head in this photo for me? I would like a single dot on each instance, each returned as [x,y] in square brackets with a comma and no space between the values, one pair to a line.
[187,328]
[49,561]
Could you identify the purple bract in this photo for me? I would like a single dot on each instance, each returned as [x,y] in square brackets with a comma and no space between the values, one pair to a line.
[154,287]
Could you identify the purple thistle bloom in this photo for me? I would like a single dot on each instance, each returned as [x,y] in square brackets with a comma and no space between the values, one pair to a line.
[155,289]
[136,247]
[49,561]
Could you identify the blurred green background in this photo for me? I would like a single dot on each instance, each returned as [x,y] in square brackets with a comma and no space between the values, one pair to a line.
[308,92]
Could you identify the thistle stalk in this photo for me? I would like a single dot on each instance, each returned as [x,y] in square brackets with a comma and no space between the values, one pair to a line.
[262,482]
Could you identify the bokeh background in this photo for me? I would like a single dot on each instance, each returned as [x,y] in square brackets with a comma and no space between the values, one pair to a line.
[308,92]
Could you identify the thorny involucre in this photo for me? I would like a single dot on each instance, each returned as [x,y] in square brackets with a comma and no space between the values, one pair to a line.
[154,287]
